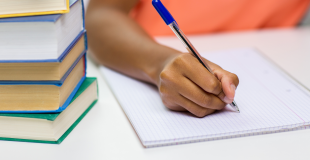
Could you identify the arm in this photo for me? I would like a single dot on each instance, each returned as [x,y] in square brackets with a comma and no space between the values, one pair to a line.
[121,44]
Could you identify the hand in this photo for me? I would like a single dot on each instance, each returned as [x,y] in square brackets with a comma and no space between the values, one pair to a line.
[185,85]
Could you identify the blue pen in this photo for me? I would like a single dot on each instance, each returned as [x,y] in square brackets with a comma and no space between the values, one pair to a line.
[169,20]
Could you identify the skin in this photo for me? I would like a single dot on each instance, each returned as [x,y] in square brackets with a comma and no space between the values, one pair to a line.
[118,42]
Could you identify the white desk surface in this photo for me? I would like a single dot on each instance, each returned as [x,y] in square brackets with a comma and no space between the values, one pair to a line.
[105,133]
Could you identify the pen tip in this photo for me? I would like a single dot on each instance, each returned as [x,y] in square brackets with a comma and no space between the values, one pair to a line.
[235,106]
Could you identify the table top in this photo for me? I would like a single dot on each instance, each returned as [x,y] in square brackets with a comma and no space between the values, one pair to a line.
[105,132]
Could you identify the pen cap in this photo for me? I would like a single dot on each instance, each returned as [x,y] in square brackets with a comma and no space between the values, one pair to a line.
[163,12]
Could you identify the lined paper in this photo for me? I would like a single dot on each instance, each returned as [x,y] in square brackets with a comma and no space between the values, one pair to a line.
[269,101]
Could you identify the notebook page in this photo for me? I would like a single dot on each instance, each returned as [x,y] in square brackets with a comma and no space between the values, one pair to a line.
[269,102]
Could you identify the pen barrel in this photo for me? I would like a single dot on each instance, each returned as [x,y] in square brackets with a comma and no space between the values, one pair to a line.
[191,49]
[188,45]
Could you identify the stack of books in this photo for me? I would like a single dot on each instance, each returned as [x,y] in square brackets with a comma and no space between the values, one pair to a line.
[44,92]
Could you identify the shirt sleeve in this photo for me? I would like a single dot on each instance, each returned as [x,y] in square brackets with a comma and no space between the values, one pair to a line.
[306,20]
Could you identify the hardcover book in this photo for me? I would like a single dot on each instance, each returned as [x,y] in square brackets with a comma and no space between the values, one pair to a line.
[45,38]
[50,127]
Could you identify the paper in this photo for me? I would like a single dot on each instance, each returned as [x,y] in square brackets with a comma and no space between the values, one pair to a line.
[269,101]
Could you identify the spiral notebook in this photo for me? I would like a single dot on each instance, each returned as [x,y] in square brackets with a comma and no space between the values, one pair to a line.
[269,100]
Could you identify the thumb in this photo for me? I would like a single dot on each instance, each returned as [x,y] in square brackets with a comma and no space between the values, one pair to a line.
[229,84]
[228,80]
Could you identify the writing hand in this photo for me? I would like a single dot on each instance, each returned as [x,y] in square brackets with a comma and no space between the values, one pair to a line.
[185,85]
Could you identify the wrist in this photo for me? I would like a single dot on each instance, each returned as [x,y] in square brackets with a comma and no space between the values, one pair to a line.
[165,56]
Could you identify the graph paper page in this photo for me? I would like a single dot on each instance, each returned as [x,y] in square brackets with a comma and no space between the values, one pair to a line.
[268,99]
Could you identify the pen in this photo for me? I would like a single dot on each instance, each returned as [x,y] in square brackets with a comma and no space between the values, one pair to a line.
[169,20]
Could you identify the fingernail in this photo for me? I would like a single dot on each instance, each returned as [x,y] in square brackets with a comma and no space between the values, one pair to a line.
[232,87]
[227,100]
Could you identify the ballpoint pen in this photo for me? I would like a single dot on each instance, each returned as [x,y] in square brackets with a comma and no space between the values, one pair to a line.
[169,20]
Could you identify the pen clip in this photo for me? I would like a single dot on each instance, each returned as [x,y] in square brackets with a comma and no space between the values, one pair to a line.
[163,12]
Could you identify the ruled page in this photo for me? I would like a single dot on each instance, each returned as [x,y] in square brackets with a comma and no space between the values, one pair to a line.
[268,99]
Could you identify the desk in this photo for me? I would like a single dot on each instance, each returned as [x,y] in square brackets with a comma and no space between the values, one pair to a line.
[105,133]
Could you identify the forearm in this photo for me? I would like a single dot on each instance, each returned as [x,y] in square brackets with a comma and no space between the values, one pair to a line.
[121,44]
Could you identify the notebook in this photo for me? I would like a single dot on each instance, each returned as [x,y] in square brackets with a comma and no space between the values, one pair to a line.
[269,100]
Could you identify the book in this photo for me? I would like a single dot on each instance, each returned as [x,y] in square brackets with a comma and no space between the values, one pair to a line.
[52,72]
[40,97]
[269,100]
[50,128]
[18,8]
[45,38]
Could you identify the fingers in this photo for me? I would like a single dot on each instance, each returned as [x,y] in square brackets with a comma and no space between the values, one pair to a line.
[185,85]
[195,94]
[182,102]
[228,80]
[198,74]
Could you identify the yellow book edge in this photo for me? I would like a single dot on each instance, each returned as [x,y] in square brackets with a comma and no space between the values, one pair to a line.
[37,13]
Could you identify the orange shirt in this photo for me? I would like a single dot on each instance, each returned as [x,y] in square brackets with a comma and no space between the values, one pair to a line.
[205,16]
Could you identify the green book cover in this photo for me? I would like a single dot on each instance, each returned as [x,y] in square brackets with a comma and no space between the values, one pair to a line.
[52,116]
